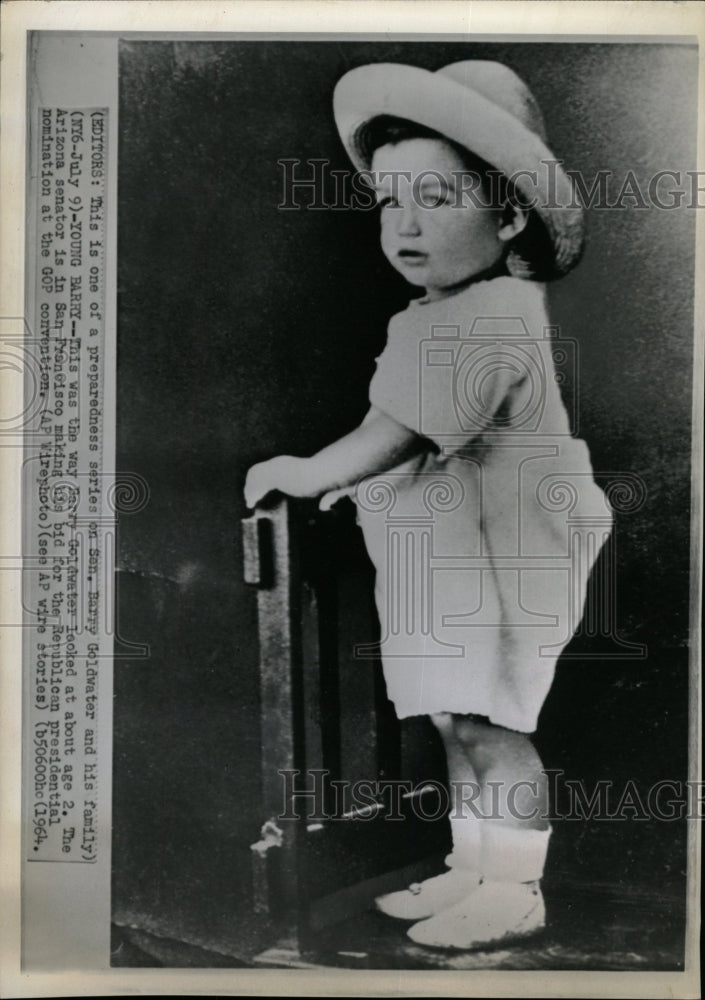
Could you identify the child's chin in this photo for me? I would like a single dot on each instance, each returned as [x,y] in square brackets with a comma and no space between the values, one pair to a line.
[411,279]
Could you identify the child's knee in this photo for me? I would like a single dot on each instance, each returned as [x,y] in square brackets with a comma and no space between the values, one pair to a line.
[474,731]
[486,743]
[443,721]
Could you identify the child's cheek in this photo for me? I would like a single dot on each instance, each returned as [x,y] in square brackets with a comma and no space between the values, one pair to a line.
[385,239]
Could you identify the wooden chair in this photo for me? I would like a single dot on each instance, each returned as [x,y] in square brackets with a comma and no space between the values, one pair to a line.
[324,854]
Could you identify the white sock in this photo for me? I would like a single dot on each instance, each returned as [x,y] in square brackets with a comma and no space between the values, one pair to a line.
[467,843]
[512,853]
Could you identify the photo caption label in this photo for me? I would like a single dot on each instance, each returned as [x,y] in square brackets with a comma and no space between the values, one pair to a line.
[67,590]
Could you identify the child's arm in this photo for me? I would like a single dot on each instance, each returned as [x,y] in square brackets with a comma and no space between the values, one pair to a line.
[379,443]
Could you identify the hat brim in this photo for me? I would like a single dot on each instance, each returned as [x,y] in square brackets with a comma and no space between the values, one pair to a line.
[441,103]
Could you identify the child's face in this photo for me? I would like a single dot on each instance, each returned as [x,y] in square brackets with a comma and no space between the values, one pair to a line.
[442,246]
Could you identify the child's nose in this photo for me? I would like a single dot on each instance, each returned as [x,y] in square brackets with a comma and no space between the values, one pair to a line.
[408,223]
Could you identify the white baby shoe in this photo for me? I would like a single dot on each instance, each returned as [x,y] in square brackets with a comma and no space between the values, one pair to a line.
[496,912]
[424,899]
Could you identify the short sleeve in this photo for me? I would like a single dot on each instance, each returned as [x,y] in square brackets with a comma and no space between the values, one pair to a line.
[394,385]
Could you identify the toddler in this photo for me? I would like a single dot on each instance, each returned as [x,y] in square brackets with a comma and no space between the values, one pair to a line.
[477,213]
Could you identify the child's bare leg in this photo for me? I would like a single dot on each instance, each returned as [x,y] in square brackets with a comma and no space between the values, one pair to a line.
[513,834]
[465,795]
[513,784]
[422,900]
[499,805]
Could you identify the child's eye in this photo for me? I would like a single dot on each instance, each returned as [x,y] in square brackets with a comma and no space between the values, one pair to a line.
[388,202]
[435,195]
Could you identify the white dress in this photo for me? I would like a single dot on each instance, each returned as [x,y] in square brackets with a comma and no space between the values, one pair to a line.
[483,543]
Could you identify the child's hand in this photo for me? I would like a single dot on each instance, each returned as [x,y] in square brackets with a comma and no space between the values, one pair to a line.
[284,473]
[332,497]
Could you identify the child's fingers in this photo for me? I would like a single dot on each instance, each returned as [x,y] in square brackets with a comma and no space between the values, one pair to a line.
[255,487]
[332,497]
[253,497]
[250,497]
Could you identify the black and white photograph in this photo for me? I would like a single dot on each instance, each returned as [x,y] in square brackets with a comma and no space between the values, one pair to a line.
[361,447]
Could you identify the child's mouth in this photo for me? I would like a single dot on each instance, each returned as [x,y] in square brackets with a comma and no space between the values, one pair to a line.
[412,256]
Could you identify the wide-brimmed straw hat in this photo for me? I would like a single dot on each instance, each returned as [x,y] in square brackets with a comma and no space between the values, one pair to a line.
[486,108]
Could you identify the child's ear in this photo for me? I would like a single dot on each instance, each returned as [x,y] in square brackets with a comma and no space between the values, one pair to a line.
[513,220]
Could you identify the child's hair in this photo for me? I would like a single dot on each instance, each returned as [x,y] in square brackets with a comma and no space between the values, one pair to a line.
[531,251]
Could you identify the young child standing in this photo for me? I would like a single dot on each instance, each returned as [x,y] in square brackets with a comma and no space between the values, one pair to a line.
[477,212]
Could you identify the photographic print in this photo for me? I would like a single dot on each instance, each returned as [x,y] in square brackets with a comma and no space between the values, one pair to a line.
[361,504]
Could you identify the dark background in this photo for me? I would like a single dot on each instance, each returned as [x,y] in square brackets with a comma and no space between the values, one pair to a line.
[246,331]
